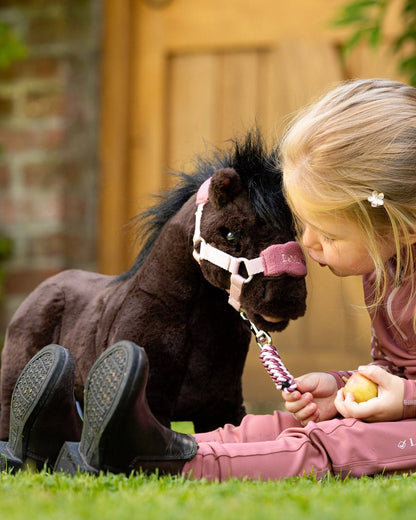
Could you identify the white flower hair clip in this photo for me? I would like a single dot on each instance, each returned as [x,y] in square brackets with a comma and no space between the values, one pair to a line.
[376,199]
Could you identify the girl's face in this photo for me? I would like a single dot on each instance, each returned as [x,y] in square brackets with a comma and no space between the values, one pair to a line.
[339,244]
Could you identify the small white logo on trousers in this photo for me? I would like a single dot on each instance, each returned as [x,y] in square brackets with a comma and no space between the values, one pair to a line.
[402,444]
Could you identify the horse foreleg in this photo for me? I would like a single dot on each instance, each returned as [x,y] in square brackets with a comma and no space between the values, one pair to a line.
[34,325]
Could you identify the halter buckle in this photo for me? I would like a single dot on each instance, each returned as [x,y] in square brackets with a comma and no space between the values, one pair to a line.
[235,267]
[262,337]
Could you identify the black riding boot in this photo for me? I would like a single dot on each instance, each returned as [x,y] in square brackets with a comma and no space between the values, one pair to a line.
[43,412]
[120,433]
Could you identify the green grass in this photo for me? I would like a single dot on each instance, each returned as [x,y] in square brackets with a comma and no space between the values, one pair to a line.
[33,496]
[39,496]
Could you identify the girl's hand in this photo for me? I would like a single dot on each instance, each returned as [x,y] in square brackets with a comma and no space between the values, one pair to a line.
[314,398]
[387,406]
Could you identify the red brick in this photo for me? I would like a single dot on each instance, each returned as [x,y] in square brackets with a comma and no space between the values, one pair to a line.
[5,176]
[42,67]
[46,29]
[4,318]
[44,104]
[25,280]
[75,208]
[10,211]
[73,172]
[6,106]
[19,139]
[42,175]
[52,139]
[13,140]
[19,211]
[79,249]
[79,26]
[53,192]
[32,3]
[50,208]
[50,245]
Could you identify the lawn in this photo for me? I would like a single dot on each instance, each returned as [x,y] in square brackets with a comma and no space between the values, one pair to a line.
[44,496]
[35,496]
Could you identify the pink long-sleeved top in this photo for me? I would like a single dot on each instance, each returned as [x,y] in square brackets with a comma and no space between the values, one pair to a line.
[393,339]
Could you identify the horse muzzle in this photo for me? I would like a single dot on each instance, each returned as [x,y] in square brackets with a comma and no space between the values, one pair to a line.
[276,260]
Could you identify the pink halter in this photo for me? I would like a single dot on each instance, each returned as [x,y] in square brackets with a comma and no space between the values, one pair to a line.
[275,260]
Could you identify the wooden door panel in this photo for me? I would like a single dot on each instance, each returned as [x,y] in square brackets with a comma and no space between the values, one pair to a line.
[213,97]
[192,103]
[220,24]
[202,72]
[239,92]
[206,92]
[306,68]
[372,63]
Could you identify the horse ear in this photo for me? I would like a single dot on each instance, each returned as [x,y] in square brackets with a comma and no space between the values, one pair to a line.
[224,187]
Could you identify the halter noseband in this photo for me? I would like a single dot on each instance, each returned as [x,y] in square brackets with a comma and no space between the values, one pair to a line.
[275,260]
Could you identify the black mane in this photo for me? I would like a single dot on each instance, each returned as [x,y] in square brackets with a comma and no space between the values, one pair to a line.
[259,170]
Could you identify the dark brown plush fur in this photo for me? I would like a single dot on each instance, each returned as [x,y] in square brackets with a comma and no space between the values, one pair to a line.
[170,305]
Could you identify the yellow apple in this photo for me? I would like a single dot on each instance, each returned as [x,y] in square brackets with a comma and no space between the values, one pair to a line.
[360,387]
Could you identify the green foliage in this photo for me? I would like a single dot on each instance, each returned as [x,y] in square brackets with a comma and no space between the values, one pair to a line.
[11,49]
[183,426]
[5,248]
[55,496]
[366,19]
[366,16]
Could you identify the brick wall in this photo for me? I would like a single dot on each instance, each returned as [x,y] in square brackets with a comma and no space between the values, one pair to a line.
[49,133]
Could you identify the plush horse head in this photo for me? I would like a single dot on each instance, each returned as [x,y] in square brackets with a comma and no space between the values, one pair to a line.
[224,233]
[269,300]
[244,213]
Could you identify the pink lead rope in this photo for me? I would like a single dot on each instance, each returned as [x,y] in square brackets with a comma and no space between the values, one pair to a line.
[271,360]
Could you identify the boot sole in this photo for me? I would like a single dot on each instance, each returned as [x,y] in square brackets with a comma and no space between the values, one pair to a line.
[108,387]
[8,461]
[71,461]
[32,389]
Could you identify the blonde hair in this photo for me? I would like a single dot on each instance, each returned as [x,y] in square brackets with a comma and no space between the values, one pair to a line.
[359,138]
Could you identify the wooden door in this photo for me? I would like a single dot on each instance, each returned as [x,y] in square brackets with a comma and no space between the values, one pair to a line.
[181,76]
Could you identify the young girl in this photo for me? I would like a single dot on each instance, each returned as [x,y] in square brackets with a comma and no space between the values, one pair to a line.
[349,165]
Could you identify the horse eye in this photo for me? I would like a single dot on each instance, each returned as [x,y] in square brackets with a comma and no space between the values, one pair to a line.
[232,237]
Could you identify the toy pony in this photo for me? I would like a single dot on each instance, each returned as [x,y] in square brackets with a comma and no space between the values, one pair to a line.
[223,233]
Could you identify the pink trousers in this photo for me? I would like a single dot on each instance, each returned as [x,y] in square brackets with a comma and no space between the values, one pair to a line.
[276,446]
